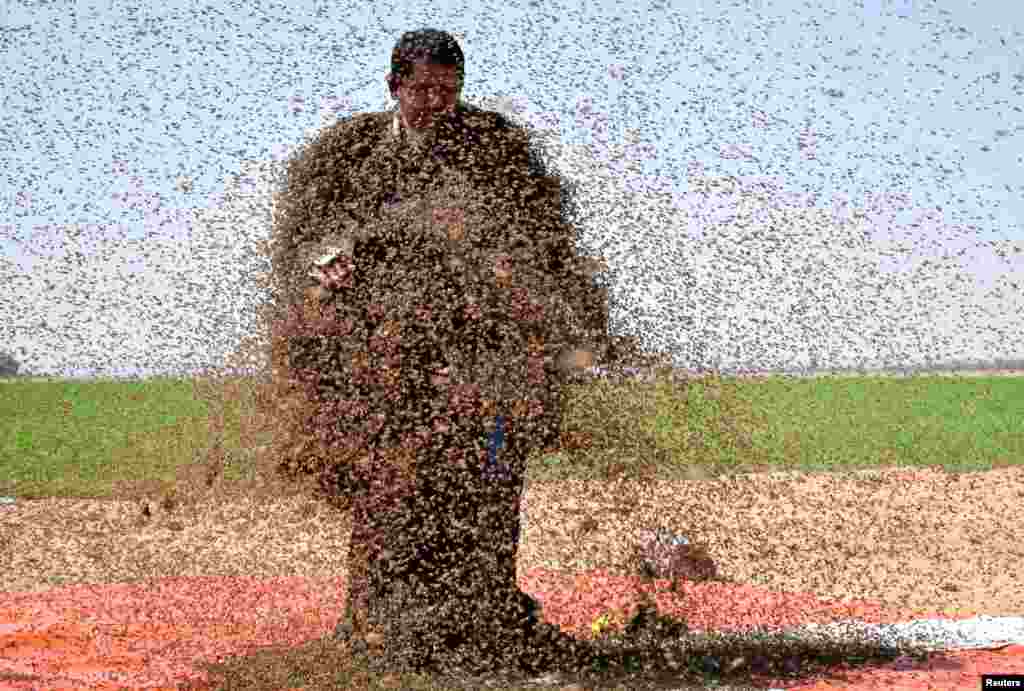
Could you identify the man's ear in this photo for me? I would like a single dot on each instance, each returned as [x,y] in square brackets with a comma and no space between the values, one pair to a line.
[392,82]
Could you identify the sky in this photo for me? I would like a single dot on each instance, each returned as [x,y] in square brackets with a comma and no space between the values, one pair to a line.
[774,184]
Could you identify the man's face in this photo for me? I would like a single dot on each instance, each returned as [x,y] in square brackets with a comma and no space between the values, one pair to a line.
[431,89]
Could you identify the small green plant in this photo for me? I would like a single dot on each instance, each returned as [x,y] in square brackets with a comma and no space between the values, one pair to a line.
[610,621]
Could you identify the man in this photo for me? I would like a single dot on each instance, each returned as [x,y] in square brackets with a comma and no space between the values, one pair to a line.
[365,166]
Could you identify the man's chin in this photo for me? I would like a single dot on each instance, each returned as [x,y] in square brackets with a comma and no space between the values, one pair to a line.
[426,122]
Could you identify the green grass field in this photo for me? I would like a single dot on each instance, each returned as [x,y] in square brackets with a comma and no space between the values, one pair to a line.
[81,438]
[123,439]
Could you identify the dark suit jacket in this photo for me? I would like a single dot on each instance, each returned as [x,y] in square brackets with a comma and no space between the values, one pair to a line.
[361,165]
[353,180]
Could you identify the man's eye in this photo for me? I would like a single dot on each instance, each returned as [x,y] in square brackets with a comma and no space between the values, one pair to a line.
[424,90]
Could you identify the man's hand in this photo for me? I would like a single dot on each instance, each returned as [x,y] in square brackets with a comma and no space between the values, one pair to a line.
[333,272]
[574,359]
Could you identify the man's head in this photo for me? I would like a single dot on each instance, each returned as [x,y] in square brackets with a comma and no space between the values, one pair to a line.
[427,73]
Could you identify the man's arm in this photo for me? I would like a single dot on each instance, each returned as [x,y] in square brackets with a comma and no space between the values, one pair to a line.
[510,164]
[552,242]
[318,214]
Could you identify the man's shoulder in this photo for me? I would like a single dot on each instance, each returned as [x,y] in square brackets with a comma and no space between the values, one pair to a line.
[504,132]
[347,141]
[359,125]
[490,121]
[483,117]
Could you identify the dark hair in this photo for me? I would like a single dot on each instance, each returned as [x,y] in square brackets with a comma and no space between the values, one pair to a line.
[434,46]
